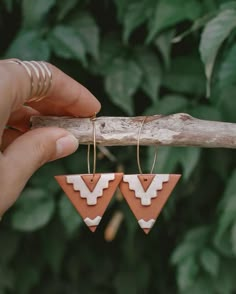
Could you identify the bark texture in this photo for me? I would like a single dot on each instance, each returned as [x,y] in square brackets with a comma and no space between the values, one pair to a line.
[178,129]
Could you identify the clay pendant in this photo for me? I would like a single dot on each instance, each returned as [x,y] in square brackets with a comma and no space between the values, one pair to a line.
[90,194]
[146,194]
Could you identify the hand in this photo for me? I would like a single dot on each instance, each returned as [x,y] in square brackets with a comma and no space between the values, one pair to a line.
[23,151]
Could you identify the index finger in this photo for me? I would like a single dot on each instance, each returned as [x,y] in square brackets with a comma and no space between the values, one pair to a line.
[66,97]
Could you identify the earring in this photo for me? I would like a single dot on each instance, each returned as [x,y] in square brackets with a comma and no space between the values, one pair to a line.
[146,194]
[90,193]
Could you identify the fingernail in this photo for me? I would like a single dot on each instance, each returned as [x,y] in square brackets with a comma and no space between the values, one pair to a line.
[66,145]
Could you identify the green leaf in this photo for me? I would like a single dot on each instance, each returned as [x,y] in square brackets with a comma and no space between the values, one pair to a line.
[226,219]
[164,44]
[85,25]
[122,83]
[228,202]
[34,12]
[202,284]
[227,104]
[183,251]
[110,49]
[197,24]
[187,273]
[224,162]
[132,226]
[75,163]
[28,45]
[214,34]
[186,79]
[169,104]
[69,216]
[189,158]
[198,235]
[210,261]
[135,13]
[193,241]
[226,73]
[152,73]
[121,6]
[169,13]
[64,7]
[169,157]
[222,239]
[233,237]
[67,43]
[228,5]
[225,281]
[33,210]
[205,112]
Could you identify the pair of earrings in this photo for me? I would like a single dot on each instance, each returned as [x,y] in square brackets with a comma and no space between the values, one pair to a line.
[146,194]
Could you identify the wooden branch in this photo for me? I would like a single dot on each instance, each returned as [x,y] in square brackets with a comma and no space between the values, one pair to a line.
[173,130]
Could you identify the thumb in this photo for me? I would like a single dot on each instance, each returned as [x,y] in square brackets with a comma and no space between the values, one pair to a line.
[26,154]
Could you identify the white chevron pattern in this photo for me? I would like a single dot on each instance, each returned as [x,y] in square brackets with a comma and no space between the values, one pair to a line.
[92,222]
[146,196]
[91,197]
[146,224]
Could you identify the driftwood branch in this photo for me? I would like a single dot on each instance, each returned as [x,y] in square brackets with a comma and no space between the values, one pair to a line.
[173,130]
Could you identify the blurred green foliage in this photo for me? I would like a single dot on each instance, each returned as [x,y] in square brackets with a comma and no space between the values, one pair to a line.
[138,57]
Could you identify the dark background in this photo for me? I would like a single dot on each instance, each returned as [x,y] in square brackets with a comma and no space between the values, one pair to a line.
[138,57]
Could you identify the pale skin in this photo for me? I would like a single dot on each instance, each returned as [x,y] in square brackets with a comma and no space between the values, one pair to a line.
[23,151]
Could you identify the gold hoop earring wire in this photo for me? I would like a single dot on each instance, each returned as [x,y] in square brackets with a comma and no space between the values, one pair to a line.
[138,150]
[93,119]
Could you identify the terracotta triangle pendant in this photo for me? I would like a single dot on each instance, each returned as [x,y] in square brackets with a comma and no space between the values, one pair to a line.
[146,195]
[90,194]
